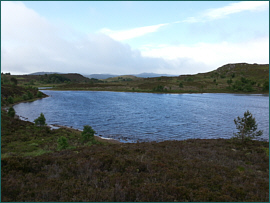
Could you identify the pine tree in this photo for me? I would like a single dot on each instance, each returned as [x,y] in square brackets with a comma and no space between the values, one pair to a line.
[62,143]
[11,112]
[247,127]
[41,120]
[88,133]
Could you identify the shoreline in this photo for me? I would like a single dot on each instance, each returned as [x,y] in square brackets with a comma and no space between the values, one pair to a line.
[110,140]
[56,126]
[52,126]
[152,92]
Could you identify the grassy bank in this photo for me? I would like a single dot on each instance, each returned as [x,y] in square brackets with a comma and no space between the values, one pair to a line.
[23,138]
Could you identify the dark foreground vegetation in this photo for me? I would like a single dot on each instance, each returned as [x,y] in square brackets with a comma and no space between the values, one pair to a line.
[191,170]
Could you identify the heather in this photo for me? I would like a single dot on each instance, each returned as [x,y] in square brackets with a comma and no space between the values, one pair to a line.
[191,170]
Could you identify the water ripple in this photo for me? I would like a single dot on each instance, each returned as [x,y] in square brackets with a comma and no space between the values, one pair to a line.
[131,117]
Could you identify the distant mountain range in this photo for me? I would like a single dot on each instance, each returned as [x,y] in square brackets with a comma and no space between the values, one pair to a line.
[141,75]
[105,76]
[43,73]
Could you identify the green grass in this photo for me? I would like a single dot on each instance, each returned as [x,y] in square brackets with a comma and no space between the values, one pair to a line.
[37,152]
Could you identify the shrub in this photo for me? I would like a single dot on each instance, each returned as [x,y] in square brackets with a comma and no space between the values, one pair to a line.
[181,85]
[32,82]
[62,143]
[25,97]
[247,127]
[229,81]
[243,85]
[189,79]
[30,95]
[41,120]
[159,88]
[10,100]
[14,80]
[88,133]
[11,112]
[222,76]
[39,94]
[266,86]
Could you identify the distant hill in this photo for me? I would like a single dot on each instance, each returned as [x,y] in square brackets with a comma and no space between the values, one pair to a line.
[71,76]
[123,78]
[256,72]
[101,76]
[141,75]
[45,78]
[152,75]
[43,73]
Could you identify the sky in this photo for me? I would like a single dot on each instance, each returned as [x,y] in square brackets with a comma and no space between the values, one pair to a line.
[132,37]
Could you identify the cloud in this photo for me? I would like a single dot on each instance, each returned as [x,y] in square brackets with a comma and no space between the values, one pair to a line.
[30,43]
[212,14]
[213,55]
[131,33]
[237,8]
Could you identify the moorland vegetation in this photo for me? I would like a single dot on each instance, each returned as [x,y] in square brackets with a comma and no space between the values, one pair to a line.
[43,164]
[230,78]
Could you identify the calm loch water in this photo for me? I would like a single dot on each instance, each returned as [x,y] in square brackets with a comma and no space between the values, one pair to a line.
[132,117]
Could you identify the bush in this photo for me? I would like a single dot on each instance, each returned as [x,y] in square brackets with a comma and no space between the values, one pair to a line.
[243,85]
[32,82]
[14,81]
[62,143]
[30,95]
[159,88]
[222,76]
[10,100]
[39,94]
[229,81]
[41,120]
[25,97]
[11,112]
[247,127]
[88,133]
[266,86]
[181,85]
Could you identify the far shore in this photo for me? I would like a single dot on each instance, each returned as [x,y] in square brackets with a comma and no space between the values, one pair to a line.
[154,92]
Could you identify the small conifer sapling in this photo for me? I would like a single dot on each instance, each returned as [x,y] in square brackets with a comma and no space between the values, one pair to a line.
[247,127]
